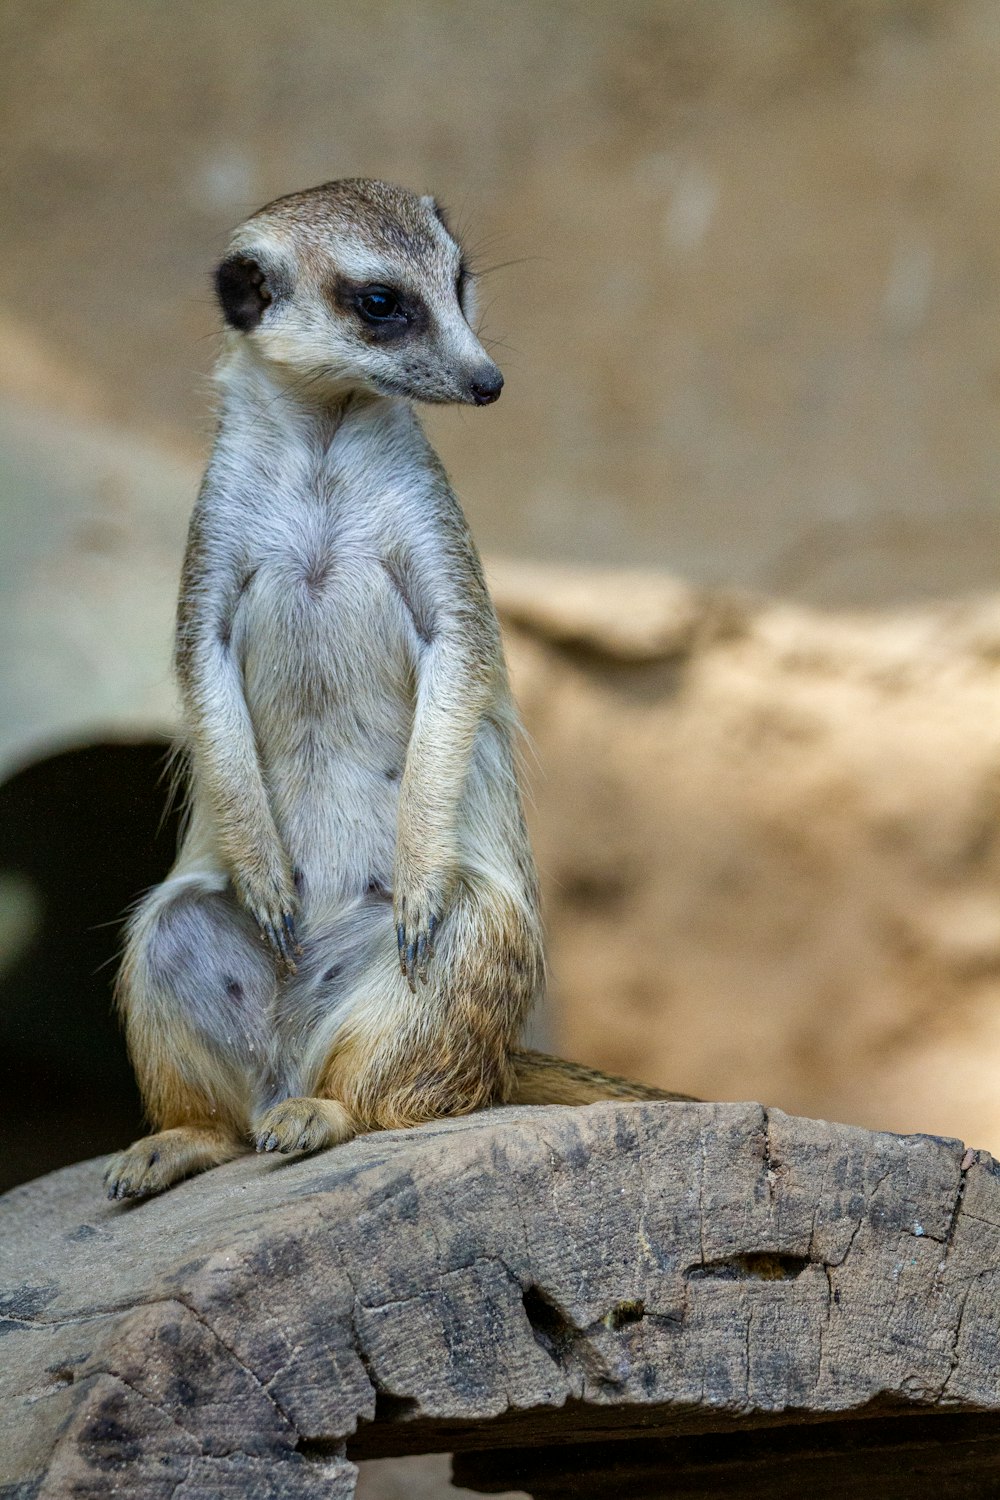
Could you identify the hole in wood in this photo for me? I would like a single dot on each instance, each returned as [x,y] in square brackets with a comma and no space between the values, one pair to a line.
[625,1313]
[552,1332]
[389,1408]
[762,1265]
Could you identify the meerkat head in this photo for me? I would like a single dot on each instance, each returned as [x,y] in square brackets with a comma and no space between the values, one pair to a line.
[357,285]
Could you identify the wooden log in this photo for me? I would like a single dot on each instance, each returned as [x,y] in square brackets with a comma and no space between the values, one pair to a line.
[685,1294]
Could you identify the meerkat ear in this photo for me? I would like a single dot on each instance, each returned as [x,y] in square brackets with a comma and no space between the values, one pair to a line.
[243,292]
[429,201]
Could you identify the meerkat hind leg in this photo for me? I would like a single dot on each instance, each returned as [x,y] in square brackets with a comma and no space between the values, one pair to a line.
[303,1124]
[156,1161]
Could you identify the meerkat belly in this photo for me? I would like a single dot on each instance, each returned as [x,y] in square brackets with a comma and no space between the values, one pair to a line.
[328,656]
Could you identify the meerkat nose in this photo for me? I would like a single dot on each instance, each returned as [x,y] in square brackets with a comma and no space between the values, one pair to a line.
[486,388]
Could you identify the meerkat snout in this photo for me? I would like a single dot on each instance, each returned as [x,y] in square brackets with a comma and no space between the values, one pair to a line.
[357,285]
[486,388]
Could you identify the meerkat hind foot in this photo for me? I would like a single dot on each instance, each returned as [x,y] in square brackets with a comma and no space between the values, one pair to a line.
[304,1125]
[156,1161]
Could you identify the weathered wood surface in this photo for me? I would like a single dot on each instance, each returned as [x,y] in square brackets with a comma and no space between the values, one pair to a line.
[630,1281]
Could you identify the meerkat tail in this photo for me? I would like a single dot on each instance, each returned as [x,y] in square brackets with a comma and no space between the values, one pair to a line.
[540,1079]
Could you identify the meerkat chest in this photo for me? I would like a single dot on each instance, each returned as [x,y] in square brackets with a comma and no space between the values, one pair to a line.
[324,622]
[306,564]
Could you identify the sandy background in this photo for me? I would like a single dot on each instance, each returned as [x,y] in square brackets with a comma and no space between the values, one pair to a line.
[751,330]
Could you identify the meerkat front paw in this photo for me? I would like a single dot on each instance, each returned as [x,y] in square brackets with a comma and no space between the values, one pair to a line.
[418,916]
[271,904]
[304,1125]
[156,1161]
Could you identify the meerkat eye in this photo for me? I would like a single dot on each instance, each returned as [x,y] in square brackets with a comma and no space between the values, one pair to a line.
[380,304]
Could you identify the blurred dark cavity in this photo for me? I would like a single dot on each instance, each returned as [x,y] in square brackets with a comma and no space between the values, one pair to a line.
[82,834]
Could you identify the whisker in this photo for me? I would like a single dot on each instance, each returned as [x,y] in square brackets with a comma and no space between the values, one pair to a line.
[490,344]
[504,265]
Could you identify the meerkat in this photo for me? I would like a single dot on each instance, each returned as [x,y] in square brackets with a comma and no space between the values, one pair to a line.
[349,939]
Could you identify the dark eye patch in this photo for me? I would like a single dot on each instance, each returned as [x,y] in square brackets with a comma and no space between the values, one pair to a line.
[381,313]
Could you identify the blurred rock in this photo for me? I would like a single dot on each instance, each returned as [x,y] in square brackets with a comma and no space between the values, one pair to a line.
[772,858]
[417,1477]
[94,520]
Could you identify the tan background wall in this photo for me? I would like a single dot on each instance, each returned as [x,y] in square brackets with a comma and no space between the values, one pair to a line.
[752,330]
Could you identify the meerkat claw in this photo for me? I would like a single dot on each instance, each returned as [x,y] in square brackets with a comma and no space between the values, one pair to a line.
[281,940]
[416,950]
[288,922]
[433,923]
